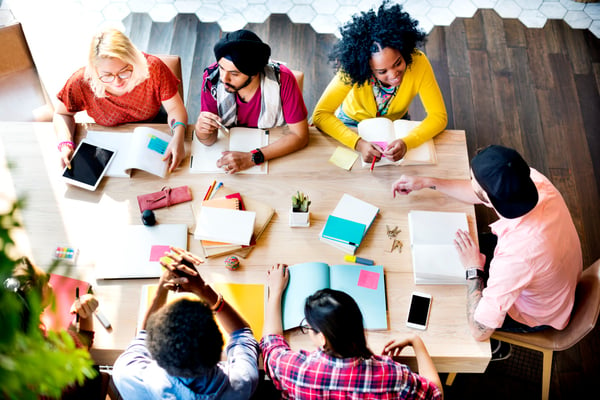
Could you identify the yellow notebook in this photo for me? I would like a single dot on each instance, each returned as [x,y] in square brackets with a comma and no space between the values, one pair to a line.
[248,299]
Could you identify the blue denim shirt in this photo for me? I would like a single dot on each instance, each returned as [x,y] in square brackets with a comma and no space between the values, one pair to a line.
[137,376]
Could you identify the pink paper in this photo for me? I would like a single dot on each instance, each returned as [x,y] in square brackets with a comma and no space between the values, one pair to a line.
[157,251]
[368,279]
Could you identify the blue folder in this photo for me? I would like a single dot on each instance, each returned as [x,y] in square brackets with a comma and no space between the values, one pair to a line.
[344,231]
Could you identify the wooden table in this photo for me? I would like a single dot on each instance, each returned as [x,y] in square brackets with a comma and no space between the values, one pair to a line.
[59,214]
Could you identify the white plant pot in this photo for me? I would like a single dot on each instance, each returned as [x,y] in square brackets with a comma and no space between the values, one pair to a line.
[299,219]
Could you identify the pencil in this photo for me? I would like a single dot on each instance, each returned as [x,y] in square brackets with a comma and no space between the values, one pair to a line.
[210,189]
[373,163]
[223,127]
[214,191]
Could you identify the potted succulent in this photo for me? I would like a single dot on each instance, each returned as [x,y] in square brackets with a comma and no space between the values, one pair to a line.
[299,214]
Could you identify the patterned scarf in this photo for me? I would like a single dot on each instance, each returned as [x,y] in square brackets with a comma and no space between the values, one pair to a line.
[383,95]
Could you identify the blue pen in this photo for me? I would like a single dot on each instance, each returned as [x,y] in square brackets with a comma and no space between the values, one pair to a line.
[215,190]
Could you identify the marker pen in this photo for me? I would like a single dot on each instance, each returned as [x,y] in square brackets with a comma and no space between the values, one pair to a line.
[359,260]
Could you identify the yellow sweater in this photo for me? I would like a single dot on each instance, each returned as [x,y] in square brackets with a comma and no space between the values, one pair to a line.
[359,103]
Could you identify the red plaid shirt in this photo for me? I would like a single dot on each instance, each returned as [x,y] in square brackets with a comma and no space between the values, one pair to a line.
[316,375]
[141,104]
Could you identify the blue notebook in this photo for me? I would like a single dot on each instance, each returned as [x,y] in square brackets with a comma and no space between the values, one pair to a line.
[364,283]
[344,231]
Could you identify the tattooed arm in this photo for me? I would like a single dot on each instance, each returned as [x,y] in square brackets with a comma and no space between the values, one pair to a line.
[480,332]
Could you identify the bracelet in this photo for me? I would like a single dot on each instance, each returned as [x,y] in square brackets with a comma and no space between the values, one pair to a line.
[174,125]
[67,143]
[218,306]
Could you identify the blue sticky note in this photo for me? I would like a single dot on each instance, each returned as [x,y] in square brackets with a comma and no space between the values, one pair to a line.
[157,144]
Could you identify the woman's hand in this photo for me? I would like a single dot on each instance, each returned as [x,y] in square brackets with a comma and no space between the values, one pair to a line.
[395,150]
[277,279]
[368,150]
[85,306]
[175,152]
[394,347]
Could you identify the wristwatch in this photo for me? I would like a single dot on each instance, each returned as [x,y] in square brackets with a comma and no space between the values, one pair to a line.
[257,156]
[473,273]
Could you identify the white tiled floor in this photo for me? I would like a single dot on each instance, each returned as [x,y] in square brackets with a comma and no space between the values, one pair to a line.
[67,25]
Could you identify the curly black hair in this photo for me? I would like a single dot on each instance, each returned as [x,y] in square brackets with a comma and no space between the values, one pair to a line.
[184,338]
[368,33]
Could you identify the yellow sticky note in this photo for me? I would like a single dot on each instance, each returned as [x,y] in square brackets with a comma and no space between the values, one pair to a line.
[343,157]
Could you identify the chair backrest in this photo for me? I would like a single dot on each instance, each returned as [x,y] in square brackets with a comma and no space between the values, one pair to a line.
[174,64]
[585,310]
[22,94]
[583,318]
[299,75]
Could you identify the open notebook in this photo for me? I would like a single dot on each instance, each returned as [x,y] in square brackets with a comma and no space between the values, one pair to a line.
[204,158]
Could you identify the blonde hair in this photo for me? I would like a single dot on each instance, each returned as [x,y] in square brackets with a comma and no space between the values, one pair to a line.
[113,43]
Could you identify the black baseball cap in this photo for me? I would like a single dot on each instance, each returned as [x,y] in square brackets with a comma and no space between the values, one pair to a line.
[505,177]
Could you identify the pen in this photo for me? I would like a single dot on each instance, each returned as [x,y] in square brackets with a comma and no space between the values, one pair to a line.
[359,260]
[223,127]
[77,314]
[100,316]
[373,163]
[210,189]
[214,191]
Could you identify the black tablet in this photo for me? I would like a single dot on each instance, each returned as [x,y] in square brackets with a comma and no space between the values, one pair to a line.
[88,165]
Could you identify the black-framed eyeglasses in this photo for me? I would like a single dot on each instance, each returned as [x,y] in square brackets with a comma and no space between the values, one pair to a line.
[305,327]
[123,75]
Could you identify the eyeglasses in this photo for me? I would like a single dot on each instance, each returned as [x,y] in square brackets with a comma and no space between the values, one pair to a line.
[123,75]
[305,327]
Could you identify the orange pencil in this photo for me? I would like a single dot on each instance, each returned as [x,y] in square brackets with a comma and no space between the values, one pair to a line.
[210,189]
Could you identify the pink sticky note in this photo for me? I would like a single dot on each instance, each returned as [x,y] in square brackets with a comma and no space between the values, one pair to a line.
[368,279]
[157,251]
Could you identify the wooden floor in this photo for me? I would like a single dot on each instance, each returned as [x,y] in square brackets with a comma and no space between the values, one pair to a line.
[536,90]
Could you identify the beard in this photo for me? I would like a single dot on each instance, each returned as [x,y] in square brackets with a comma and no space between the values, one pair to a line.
[232,89]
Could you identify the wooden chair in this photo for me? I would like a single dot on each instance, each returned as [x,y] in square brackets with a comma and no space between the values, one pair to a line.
[22,94]
[583,320]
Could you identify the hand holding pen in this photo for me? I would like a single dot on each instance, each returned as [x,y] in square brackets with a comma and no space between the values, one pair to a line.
[83,308]
[207,127]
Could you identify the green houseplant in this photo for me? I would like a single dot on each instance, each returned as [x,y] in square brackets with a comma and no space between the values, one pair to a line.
[31,363]
[299,211]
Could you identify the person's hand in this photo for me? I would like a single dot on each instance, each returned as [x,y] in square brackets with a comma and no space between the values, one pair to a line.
[368,150]
[235,161]
[468,251]
[407,184]
[66,153]
[278,277]
[175,152]
[395,150]
[85,306]
[183,275]
[394,347]
[206,127]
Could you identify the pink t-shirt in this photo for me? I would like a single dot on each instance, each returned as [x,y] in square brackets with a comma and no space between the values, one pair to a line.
[537,263]
[292,103]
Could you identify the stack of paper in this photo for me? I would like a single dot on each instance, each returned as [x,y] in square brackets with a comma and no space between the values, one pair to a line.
[263,212]
[225,225]
[348,223]
[435,259]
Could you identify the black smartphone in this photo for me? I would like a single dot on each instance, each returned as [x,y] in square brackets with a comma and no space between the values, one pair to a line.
[418,311]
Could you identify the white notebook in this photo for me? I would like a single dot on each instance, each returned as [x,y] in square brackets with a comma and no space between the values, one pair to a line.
[435,259]
[204,158]
[225,225]
[382,131]
[134,252]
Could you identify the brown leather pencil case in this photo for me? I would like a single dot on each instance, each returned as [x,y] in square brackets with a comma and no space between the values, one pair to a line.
[165,198]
